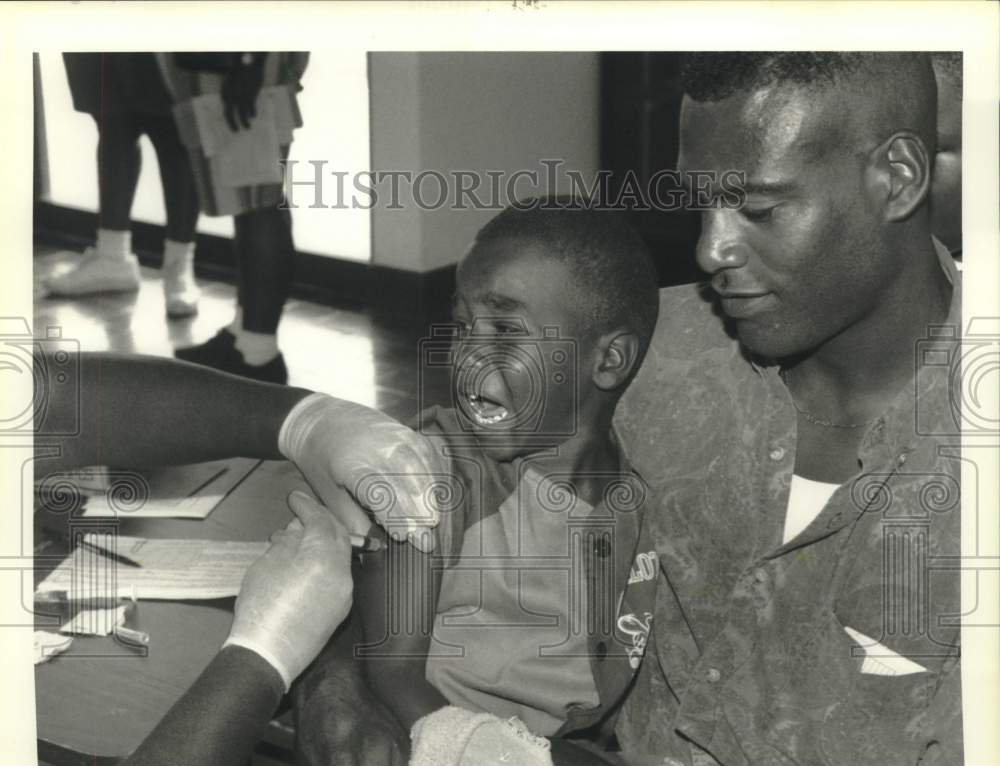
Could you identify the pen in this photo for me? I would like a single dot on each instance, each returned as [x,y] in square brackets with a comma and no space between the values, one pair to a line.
[132,635]
[116,557]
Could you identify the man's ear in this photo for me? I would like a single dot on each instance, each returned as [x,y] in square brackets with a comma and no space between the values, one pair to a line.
[617,355]
[900,175]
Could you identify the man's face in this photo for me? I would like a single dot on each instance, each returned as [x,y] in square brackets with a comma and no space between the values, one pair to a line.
[801,261]
[515,375]
[946,189]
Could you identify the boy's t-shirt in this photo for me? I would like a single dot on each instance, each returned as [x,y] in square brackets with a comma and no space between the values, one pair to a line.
[544,606]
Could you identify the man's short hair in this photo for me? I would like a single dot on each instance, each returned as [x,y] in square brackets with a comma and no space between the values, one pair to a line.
[893,90]
[715,76]
[607,258]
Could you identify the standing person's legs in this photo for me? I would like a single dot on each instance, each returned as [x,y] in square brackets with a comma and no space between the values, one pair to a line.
[180,198]
[110,264]
[265,263]
[266,258]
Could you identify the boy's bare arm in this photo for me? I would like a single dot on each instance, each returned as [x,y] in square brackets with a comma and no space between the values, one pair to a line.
[396,598]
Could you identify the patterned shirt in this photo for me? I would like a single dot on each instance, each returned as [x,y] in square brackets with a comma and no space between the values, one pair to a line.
[840,646]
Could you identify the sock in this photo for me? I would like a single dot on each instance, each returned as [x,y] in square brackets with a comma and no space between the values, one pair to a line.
[177,253]
[257,347]
[236,326]
[113,244]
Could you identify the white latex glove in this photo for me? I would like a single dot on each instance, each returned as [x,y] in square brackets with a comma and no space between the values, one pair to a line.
[391,470]
[294,596]
[453,736]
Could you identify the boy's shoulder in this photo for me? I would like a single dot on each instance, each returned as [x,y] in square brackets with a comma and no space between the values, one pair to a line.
[476,484]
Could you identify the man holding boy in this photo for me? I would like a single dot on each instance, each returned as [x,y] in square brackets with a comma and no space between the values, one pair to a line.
[802,454]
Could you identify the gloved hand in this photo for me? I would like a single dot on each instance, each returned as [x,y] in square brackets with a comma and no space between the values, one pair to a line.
[453,736]
[240,90]
[389,469]
[295,596]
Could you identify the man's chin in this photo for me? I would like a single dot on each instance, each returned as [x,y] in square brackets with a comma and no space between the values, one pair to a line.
[766,343]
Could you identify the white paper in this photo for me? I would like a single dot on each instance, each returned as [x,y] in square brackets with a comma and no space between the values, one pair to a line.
[245,157]
[175,492]
[95,622]
[197,507]
[170,569]
[48,645]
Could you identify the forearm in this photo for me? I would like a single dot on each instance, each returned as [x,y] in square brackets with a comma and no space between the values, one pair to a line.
[146,411]
[568,753]
[219,720]
[397,598]
[402,687]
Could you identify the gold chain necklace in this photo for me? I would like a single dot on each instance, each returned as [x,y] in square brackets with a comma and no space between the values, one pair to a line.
[785,374]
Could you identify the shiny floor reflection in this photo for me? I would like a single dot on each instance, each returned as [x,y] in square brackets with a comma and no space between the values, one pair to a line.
[340,351]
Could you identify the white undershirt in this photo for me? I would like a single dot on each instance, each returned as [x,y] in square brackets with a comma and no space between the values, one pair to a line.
[806,499]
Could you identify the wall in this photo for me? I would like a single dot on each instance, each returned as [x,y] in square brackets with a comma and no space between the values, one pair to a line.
[477,112]
[334,103]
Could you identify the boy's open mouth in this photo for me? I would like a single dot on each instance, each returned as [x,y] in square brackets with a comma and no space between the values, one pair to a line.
[486,411]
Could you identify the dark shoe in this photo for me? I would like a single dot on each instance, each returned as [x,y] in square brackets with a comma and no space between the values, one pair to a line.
[218,352]
[274,371]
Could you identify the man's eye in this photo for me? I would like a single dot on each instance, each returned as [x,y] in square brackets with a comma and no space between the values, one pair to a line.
[758,214]
[509,328]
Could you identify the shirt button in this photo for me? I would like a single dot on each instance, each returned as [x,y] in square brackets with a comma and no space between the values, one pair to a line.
[760,575]
[601,650]
[713,675]
[602,547]
[776,453]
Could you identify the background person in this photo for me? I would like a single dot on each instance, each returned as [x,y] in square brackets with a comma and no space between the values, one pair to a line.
[265,253]
[126,96]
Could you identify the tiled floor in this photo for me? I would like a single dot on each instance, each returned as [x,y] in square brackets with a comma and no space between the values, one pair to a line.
[348,353]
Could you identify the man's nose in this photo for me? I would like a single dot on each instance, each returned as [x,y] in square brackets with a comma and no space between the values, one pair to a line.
[720,245]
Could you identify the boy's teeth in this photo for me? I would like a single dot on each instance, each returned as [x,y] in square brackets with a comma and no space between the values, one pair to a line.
[486,414]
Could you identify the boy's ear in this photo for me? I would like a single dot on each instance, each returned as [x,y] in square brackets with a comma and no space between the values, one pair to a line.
[617,354]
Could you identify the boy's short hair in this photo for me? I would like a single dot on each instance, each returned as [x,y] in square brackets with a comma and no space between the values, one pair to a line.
[609,261]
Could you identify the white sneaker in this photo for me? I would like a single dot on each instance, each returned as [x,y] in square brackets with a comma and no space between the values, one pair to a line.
[180,290]
[96,273]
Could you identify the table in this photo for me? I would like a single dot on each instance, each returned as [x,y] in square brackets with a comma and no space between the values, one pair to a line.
[99,700]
